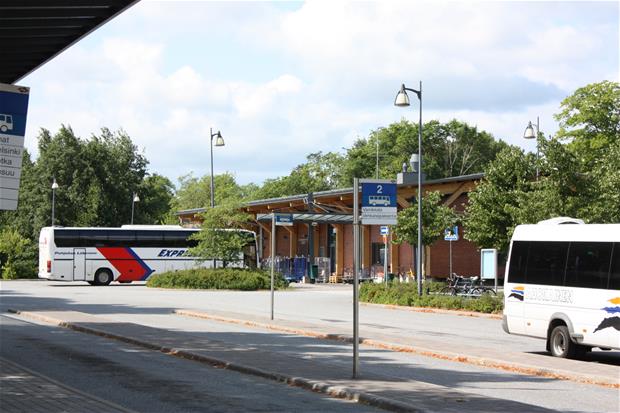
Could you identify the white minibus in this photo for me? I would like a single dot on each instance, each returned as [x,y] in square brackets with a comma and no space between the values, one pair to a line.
[129,253]
[562,284]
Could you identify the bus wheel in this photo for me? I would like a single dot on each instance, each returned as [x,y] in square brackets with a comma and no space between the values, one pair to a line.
[103,277]
[561,345]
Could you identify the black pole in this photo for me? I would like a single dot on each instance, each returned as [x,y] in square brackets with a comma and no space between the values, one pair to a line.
[310,236]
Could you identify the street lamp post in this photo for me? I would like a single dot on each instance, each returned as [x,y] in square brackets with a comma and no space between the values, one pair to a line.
[135,199]
[402,100]
[529,134]
[219,141]
[54,188]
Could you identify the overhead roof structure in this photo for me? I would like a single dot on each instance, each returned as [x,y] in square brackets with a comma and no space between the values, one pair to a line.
[34,31]
[338,202]
[314,218]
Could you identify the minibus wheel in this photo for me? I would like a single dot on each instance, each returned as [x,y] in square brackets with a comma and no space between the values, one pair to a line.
[103,277]
[561,345]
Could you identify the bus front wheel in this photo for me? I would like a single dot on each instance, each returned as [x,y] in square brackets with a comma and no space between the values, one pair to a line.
[103,277]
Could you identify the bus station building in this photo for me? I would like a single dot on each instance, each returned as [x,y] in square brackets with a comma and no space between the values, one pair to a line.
[323,227]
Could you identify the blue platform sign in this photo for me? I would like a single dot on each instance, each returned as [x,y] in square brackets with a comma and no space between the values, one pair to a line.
[13,112]
[378,194]
[379,205]
[284,220]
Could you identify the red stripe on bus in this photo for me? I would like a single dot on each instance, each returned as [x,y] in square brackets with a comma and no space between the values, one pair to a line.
[130,266]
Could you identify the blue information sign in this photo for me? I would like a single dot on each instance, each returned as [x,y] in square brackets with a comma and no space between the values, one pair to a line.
[13,112]
[285,220]
[451,234]
[378,194]
[378,202]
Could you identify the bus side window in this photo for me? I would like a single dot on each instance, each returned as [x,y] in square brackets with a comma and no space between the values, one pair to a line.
[66,238]
[176,239]
[93,238]
[546,263]
[588,264]
[150,239]
[518,260]
[614,274]
[121,238]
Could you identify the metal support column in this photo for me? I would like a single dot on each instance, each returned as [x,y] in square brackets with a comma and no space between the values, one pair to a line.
[356,271]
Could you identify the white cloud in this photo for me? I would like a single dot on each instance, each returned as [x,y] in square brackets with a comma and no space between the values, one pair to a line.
[282,83]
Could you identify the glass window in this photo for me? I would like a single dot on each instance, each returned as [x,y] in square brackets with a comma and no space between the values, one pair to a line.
[614,274]
[588,264]
[546,263]
[121,238]
[149,239]
[518,260]
[378,253]
[93,238]
[66,238]
[178,239]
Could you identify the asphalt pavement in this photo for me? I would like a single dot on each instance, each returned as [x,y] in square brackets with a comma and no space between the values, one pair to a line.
[46,369]
[462,373]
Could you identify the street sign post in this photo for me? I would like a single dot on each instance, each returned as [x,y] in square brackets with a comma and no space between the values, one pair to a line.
[13,112]
[451,234]
[378,208]
[281,220]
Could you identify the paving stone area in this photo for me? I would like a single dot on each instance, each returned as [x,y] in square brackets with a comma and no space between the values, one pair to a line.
[22,390]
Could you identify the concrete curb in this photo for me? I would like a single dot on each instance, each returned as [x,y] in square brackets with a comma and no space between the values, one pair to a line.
[521,368]
[301,382]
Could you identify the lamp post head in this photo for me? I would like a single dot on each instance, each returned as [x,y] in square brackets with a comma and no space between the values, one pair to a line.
[529,132]
[402,99]
[136,198]
[55,184]
[219,141]
[414,161]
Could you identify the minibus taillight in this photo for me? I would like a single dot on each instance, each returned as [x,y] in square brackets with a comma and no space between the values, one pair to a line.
[49,265]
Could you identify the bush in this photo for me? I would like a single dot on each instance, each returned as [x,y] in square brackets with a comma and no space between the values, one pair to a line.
[407,295]
[18,255]
[216,279]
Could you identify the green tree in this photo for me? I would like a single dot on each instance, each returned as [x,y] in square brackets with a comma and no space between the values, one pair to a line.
[604,188]
[195,192]
[320,172]
[580,178]
[436,217]
[156,193]
[491,213]
[449,149]
[590,120]
[215,240]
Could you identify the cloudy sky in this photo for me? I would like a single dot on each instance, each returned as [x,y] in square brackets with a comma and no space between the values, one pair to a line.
[283,79]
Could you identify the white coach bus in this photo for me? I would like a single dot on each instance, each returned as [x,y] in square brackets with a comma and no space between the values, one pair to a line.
[130,253]
[562,284]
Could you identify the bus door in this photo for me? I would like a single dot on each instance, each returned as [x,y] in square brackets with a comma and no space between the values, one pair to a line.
[79,264]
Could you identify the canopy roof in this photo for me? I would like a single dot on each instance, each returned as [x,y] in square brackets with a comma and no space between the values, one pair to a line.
[34,31]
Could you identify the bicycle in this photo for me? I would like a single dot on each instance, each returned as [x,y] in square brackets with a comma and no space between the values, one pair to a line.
[479,288]
[469,286]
